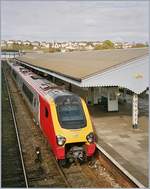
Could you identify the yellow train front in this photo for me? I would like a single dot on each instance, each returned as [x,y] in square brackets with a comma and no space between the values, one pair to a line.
[73,137]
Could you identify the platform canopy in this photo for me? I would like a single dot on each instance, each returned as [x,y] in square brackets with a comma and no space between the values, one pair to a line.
[127,68]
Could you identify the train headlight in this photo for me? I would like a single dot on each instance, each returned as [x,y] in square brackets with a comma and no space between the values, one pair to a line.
[60,140]
[90,137]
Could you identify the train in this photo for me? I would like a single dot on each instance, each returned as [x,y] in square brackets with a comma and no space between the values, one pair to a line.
[62,115]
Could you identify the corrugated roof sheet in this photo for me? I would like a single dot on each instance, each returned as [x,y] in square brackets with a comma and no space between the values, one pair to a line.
[83,64]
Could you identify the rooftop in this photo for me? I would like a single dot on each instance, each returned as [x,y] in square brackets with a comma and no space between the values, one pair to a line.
[82,64]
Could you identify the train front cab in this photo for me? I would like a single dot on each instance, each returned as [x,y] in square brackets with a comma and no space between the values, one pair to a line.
[53,115]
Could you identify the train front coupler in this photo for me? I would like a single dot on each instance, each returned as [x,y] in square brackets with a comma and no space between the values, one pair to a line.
[76,154]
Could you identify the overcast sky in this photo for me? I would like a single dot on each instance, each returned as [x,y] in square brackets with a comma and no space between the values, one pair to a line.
[80,20]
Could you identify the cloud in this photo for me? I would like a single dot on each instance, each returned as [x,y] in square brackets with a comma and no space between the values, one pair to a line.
[80,20]
[90,22]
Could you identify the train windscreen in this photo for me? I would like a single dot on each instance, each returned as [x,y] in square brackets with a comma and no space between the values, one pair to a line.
[70,113]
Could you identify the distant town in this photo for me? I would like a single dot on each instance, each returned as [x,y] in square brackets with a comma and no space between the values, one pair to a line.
[23,46]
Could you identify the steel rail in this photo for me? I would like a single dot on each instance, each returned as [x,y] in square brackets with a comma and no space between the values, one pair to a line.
[61,172]
[17,134]
[122,169]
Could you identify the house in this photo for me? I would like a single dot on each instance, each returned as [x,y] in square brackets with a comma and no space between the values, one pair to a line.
[82,44]
[56,45]
[19,42]
[35,43]
[118,45]
[10,42]
[44,44]
[3,43]
[26,42]
[89,47]
[97,43]
[64,44]
[126,45]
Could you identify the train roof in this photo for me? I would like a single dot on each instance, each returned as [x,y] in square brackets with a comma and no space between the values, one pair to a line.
[41,85]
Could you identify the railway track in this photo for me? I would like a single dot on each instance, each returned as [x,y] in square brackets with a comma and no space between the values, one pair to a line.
[38,172]
[19,173]
[101,172]
[44,171]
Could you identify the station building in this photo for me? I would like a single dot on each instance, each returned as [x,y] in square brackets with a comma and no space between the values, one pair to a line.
[97,75]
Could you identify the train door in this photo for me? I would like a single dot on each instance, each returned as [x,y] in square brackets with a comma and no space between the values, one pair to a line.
[45,116]
[46,122]
[36,109]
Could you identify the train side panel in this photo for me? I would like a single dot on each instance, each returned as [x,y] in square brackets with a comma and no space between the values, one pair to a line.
[34,104]
[47,126]
[41,112]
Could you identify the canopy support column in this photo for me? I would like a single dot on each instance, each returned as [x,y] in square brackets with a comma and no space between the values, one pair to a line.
[135,111]
[70,87]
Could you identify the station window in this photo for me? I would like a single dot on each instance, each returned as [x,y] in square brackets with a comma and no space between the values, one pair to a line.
[28,93]
[112,96]
[46,112]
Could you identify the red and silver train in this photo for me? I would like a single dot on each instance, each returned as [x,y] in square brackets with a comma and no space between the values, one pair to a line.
[62,116]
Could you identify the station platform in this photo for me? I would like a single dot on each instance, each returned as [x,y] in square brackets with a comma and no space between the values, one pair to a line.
[128,146]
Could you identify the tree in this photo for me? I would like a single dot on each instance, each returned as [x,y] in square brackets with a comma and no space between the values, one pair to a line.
[139,45]
[98,47]
[107,44]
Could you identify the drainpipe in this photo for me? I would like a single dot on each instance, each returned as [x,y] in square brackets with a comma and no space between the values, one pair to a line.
[92,95]
[135,111]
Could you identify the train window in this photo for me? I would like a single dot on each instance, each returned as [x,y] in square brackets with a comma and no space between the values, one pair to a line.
[71,115]
[46,112]
[24,70]
[14,74]
[28,93]
[15,64]
[34,103]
